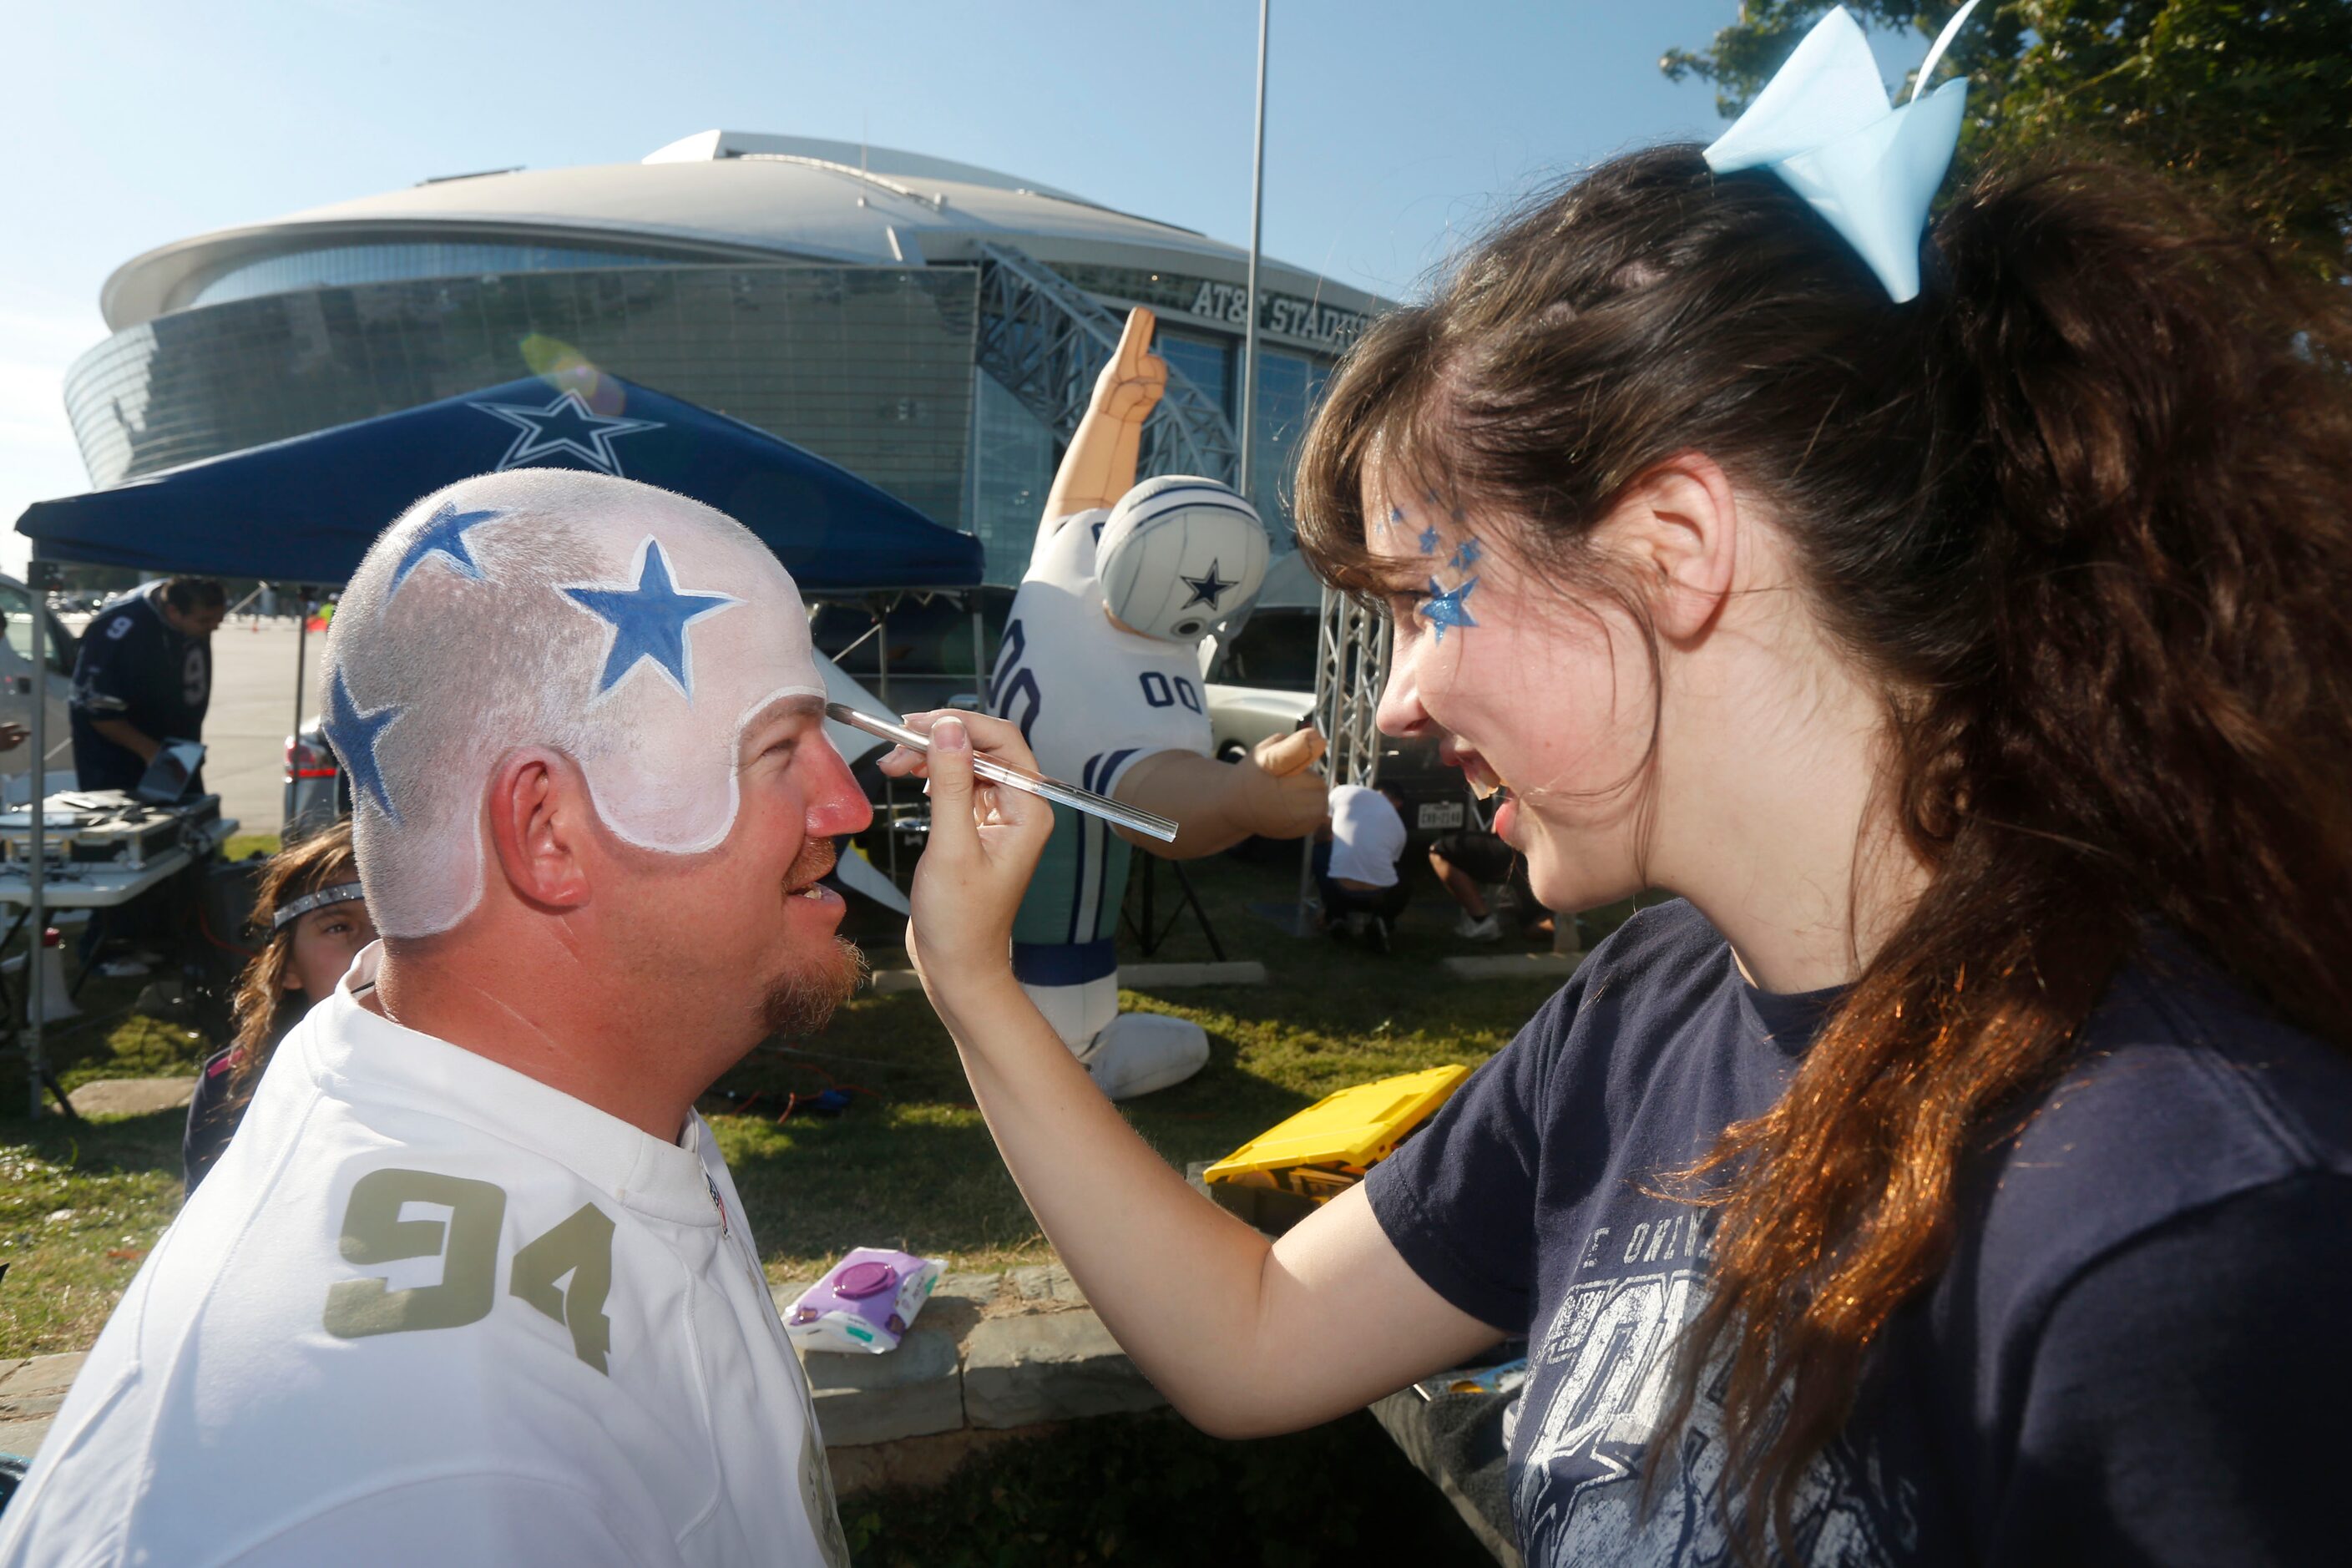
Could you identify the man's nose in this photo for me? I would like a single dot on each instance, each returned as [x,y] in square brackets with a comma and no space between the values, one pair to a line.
[837,806]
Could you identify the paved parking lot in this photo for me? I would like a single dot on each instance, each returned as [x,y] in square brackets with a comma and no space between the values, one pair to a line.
[251,715]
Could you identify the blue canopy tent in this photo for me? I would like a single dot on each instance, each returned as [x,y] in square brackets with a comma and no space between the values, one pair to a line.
[306,510]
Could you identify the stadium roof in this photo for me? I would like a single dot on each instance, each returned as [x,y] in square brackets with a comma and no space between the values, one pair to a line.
[724,195]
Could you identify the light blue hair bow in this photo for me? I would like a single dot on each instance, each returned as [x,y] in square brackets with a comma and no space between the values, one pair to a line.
[1822,124]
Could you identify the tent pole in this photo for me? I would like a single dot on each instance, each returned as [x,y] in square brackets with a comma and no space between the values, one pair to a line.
[301,646]
[980,672]
[882,683]
[36,920]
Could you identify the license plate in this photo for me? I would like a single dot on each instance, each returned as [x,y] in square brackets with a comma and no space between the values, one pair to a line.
[1441,814]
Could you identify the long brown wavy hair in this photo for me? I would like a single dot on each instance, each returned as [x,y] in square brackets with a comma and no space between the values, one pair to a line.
[2080,510]
[263,1008]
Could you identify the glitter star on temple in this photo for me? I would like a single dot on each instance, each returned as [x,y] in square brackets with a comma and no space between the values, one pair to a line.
[1430,539]
[1466,554]
[443,534]
[1447,607]
[354,734]
[649,621]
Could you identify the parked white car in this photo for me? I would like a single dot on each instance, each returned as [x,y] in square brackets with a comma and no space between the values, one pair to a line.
[17,683]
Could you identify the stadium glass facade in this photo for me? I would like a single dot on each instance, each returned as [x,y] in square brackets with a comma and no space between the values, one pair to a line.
[873,367]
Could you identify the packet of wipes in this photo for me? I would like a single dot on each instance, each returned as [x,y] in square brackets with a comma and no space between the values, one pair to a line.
[864,1303]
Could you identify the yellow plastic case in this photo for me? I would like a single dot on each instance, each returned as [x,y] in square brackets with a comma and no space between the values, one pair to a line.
[1339,1136]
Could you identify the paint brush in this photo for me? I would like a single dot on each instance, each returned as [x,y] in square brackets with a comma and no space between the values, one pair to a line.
[1055,790]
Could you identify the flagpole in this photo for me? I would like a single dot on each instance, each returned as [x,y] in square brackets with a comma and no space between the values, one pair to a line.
[1257,218]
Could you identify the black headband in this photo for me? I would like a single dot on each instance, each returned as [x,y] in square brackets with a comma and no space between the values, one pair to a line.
[340,893]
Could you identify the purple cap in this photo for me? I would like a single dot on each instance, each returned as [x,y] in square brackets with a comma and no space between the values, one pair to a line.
[861,1280]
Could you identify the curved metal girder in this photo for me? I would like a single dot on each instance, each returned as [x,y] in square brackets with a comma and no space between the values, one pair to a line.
[1046,339]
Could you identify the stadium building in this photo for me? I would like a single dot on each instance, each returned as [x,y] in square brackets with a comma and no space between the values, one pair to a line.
[930,325]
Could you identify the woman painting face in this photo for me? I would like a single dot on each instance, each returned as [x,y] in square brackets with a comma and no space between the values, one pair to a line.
[326,940]
[1533,693]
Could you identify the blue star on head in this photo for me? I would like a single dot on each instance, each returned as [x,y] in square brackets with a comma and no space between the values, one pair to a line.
[1207,590]
[1430,539]
[1466,554]
[565,426]
[649,621]
[354,734]
[1395,518]
[443,534]
[1447,607]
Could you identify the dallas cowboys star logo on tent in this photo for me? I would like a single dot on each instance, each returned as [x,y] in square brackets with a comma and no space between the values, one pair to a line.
[354,734]
[649,621]
[566,425]
[443,534]
[1446,607]
[1209,589]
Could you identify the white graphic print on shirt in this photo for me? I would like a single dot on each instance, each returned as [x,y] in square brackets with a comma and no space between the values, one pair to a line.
[1600,1383]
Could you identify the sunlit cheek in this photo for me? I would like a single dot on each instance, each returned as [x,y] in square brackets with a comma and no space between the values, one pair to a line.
[1590,713]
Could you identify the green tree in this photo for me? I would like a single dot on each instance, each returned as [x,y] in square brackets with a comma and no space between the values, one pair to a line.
[2252,101]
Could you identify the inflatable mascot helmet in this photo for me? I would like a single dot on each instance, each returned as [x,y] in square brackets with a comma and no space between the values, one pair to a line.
[632,630]
[1180,557]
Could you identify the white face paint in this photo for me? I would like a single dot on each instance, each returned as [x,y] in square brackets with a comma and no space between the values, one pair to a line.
[632,630]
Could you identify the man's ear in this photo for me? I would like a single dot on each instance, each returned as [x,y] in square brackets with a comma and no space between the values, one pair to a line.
[538,809]
[1680,525]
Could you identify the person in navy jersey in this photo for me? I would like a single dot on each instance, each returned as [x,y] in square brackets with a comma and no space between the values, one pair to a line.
[143,677]
[1960,1169]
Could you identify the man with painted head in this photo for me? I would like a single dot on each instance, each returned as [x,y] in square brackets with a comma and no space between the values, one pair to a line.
[1100,667]
[471,1284]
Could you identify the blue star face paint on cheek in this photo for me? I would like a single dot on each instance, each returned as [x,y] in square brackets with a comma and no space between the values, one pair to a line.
[1430,539]
[1466,554]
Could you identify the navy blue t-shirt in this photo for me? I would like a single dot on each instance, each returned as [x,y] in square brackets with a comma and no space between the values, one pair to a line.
[133,666]
[2140,1350]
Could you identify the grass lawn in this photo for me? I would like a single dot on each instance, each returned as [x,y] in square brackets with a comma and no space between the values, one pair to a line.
[909,1164]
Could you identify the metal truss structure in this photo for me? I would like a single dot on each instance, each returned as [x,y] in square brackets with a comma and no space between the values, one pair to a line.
[1351,666]
[1046,339]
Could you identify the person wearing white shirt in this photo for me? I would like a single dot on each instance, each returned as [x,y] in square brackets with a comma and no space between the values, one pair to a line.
[1356,867]
[472,1285]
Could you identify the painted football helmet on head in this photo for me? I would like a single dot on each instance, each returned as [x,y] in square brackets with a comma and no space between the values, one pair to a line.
[1181,556]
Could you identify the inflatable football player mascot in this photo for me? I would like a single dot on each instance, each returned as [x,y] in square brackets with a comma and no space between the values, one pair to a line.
[1100,667]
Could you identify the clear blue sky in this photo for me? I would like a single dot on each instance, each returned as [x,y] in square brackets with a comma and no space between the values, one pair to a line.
[1392,127]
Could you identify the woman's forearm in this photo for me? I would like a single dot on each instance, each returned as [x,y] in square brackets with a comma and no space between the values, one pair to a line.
[1175,1277]
[1246,1337]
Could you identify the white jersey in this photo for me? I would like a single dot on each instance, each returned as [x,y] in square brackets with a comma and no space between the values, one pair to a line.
[427,1310]
[1367,837]
[1092,701]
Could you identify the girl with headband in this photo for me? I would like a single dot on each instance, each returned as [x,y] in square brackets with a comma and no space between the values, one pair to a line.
[310,905]
[1962,1171]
